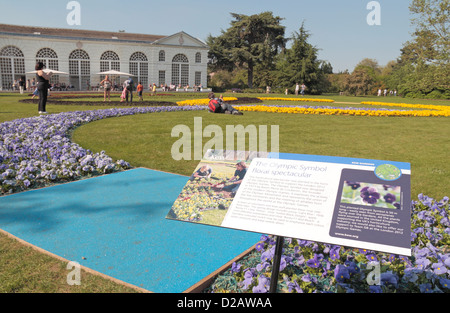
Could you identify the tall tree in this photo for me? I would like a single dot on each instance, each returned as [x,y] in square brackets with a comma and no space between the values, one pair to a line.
[251,40]
[432,36]
[423,68]
[359,82]
[299,64]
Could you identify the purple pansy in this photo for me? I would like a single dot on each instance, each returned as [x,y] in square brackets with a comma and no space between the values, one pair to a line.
[370,195]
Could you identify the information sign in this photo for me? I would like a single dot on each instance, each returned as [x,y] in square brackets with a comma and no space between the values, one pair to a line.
[352,202]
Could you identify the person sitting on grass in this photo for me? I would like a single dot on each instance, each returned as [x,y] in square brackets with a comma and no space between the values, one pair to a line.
[203,172]
[236,180]
[217,105]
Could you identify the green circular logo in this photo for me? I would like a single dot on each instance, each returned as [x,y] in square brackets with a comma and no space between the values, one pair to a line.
[388,172]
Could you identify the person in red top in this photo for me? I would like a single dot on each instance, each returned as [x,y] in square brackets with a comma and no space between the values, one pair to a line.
[139,90]
[218,105]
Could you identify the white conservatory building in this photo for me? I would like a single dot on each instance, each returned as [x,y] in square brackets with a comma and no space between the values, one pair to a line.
[178,60]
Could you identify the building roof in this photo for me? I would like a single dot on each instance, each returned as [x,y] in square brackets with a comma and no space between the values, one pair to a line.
[76,33]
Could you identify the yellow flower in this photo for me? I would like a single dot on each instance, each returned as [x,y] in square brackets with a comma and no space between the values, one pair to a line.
[295,99]
[427,110]
[201,101]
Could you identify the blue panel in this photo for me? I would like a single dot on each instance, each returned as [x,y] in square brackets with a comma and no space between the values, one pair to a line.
[115,224]
[334,159]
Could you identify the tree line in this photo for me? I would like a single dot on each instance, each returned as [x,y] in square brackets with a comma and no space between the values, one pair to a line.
[253,54]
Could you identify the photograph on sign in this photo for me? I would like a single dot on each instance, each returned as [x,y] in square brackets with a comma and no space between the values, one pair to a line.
[326,199]
[212,186]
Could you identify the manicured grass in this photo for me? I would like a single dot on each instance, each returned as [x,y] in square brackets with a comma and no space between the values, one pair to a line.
[24,270]
[145,141]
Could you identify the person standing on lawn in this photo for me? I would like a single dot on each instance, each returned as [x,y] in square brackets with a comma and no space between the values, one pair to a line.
[106,83]
[43,80]
[139,90]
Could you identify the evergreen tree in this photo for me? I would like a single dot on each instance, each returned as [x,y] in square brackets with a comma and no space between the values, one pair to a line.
[423,69]
[299,64]
[250,41]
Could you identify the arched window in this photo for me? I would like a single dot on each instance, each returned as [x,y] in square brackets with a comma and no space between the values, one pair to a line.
[109,61]
[12,66]
[180,58]
[162,56]
[139,67]
[50,59]
[180,70]
[79,69]
[198,57]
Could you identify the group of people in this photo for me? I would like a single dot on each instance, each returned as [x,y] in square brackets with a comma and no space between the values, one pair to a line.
[127,89]
[20,85]
[215,105]
[173,87]
[387,92]
[300,89]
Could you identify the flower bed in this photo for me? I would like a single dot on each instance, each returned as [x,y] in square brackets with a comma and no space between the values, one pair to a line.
[427,109]
[37,151]
[308,266]
[324,110]
[101,103]
[201,101]
[296,99]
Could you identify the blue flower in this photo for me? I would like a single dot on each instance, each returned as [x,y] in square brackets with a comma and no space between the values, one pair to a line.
[314,262]
[422,263]
[411,275]
[352,267]
[294,286]
[341,273]
[439,268]
[375,289]
[445,282]
[36,151]
[259,246]
[248,278]
[334,253]
[446,259]
[263,285]
[262,266]
[371,257]
[268,254]
[425,288]
[389,278]
[235,267]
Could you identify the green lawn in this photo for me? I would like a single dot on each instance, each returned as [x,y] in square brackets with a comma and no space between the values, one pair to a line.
[145,141]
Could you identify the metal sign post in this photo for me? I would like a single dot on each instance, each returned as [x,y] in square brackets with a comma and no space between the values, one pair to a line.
[276,264]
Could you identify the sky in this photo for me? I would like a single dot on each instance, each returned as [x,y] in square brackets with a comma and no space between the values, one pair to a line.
[338,28]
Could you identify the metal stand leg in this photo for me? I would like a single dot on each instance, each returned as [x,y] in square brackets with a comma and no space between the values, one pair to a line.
[276,264]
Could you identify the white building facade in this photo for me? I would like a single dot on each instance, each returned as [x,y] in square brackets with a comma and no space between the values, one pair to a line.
[179,60]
